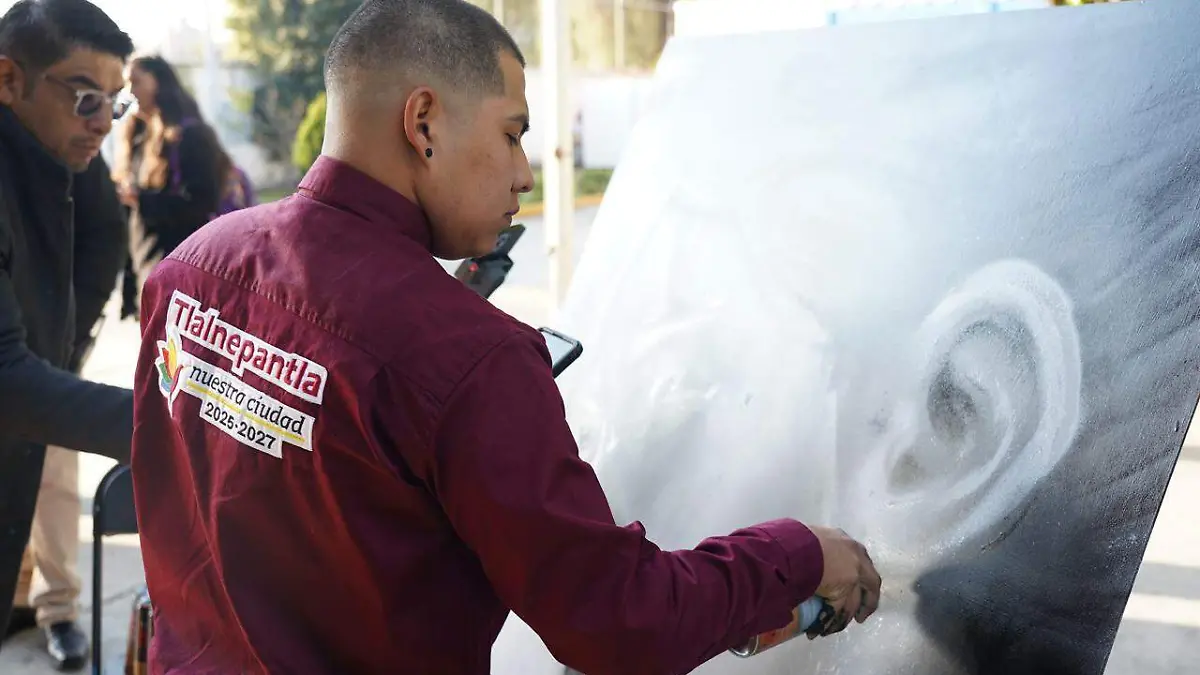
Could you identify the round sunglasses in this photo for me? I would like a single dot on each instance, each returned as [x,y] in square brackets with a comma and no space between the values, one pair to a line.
[89,102]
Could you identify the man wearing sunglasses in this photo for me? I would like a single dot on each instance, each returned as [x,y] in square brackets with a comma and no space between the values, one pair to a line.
[61,73]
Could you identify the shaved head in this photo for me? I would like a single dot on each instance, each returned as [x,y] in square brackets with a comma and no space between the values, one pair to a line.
[420,42]
[428,98]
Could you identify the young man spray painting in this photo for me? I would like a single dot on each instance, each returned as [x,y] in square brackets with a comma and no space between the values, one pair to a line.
[428,482]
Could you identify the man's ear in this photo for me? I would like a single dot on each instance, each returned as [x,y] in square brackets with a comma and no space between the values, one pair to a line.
[421,112]
[995,406]
[12,81]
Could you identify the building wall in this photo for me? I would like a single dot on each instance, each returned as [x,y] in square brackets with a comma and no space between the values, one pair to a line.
[606,107]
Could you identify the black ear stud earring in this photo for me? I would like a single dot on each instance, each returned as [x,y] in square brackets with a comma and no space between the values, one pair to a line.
[425,130]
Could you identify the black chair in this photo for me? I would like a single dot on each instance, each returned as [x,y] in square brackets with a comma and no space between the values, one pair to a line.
[112,513]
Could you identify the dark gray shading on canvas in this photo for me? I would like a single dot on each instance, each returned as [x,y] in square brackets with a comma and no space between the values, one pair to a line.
[934,282]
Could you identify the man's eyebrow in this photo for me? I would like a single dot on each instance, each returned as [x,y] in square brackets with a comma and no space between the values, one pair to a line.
[83,81]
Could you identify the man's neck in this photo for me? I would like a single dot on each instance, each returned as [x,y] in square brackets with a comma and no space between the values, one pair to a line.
[397,179]
[361,151]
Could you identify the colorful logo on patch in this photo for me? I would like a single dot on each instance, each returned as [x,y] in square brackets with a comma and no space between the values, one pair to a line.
[168,362]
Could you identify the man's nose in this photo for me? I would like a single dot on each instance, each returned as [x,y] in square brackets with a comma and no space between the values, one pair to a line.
[525,177]
[102,122]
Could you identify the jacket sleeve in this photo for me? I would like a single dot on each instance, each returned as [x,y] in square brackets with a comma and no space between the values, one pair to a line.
[201,187]
[603,598]
[44,404]
[101,247]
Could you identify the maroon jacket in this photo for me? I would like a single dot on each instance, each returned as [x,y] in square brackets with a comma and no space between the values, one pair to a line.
[347,462]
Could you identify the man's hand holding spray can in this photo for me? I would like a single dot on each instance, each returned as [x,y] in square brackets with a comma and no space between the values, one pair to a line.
[849,589]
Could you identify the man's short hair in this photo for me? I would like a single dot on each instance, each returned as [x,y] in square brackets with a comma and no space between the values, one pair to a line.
[39,33]
[451,41]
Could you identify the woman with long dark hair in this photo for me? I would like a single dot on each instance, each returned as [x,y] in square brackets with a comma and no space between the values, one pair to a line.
[170,169]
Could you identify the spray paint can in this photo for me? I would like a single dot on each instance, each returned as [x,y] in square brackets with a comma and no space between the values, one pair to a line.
[810,613]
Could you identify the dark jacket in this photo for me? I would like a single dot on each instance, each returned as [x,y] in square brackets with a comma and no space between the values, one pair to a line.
[101,243]
[54,279]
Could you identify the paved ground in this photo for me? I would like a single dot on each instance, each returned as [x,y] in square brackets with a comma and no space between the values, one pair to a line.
[1158,636]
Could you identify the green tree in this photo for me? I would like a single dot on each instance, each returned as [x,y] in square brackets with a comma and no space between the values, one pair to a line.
[285,42]
[310,136]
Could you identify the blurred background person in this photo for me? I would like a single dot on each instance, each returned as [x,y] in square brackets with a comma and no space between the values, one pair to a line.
[171,171]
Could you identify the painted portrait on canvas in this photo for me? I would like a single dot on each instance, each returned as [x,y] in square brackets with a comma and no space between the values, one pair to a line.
[934,283]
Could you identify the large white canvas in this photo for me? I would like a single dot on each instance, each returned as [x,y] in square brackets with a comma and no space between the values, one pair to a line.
[933,283]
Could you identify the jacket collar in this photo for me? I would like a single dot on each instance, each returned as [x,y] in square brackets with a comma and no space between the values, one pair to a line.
[344,187]
[29,152]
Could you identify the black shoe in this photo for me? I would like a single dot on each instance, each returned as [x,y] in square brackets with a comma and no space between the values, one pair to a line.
[21,619]
[68,645]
